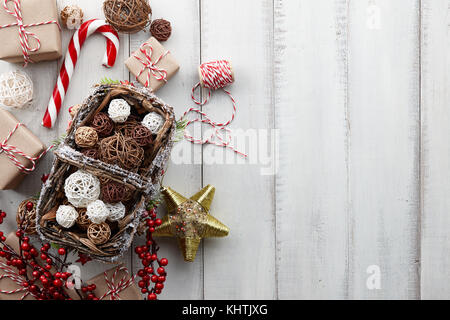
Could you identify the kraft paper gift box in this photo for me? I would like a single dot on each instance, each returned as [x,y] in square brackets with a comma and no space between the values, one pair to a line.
[166,63]
[33,11]
[25,141]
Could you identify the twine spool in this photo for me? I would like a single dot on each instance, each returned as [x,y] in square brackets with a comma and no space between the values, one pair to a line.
[86,137]
[81,188]
[142,135]
[66,216]
[128,16]
[113,192]
[121,151]
[16,89]
[83,220]
[216,75]
[97,211]
[161,29]
[27,218]
[72,17]
[99,233]
[102,124]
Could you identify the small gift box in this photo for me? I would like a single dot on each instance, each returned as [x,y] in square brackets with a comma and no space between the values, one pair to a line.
[152,64]
[116,284]
[39,40]
[20,149]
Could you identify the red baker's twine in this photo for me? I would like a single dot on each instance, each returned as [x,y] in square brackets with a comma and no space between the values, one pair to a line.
[148,64]
[214,75]
[114,289]
[23,34]
[13,275]
[12,152]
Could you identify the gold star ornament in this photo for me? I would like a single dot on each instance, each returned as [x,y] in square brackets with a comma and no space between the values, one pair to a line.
[189,220]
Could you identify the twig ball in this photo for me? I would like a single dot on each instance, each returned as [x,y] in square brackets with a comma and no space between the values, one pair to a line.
[121,151]
[16,89]
[119,110]
[116,211]
[66,216]
[113,192]
[153,121]
[82,188]
[99,233]
[72,17]
[97,211]
[74,109]
[86,137]
[142,135]
[127,127]
[26,216]
[83,220]
[161,29]
[91,153]
[129,16]
[102,124]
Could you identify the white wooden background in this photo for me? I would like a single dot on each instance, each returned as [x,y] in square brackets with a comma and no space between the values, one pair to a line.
[357,91]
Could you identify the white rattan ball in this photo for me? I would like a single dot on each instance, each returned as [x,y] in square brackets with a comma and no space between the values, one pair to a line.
[16,89]
[116,211]
[153,121]
[97,211]
[119,110]
[82,188]
[66,216]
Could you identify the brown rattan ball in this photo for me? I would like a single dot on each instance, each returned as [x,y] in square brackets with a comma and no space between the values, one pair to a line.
[121,151]
[91,153]
[74,109]
[113,192]
[99,233]
[83,220]
[86,137]
[102,124]
[161,29]
[127,127]
[27,218]
[142,135]
[71,16]
[128,16]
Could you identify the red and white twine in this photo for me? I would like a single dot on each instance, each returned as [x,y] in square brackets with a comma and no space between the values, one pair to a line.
[14,276]
[115,289]
[214,75]
[24,35]
[13,152]
[148,64]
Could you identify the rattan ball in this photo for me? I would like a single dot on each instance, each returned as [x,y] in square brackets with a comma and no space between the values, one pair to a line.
[74,109]
[142,135]
[119,110]
[153,121]
[161,29]
[66,216]
[97,211]
[16,89]
[91,153]
[113,192]
[121,151]
[127,127]
[116,211]
[72,17]
[102,124]
[26,218]
[129,16]
[99,233]
[83,220]
[86,137]
[82,188]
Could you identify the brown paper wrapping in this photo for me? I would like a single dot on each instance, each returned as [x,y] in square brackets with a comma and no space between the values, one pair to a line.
[24,140]
[130,293]
[33,11]
[168,63]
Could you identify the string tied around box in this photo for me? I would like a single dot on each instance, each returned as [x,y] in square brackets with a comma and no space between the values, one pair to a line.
[214,75]
[151,65]
[116,288]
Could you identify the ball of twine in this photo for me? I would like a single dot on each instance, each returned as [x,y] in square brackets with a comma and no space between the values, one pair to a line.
[97,211]
[116,211]
[127,127]
[91,153]
[122,151]
[72,17]
[161,29]
[16,89]
[82,188]
[153,121]
[128,16]
[83,220]
[119,110]
[99,233]
[142,135]
[102,124]
[113,192]
[66,216]
[27,218]
[86,137]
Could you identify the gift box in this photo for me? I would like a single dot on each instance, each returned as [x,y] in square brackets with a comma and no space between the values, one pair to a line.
[46,36]
[116,284]
[15,139]
[152,64]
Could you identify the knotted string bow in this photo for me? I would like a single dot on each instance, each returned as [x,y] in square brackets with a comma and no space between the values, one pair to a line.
[13,275]
[24,35]
[148,64]
[115,289]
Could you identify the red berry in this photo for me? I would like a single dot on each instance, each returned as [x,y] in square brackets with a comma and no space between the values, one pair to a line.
[43,256]
[154,278]
[141,273]
[144,290]
[3,214]
[57,283]
[149,270]
[161,270]
[157,291]
[25,246]
[158,222]
[36,274]
[29,205]
[152,296]
[90,296]
[61,251]
[161,278]
[142,284]
[159,286]
[154,257]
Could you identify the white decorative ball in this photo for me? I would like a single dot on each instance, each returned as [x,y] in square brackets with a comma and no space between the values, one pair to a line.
[119,110]
[66,216]
[82,188]
[116,211]
[97,211]
[153,121]
[16,89]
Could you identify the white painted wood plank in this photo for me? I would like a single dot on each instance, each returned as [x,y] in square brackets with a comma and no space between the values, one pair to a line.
[383,159]
[311,186]
[184,280]
[435,248]
[241,266]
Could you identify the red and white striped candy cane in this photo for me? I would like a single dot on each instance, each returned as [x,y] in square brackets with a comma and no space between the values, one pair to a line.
[78,39]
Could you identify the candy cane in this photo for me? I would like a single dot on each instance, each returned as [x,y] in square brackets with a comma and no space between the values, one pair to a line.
[78,39]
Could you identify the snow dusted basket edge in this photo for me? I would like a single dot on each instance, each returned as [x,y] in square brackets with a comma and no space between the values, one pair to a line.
[144,183]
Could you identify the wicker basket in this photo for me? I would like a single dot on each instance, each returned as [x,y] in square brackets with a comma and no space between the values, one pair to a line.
[143,183]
